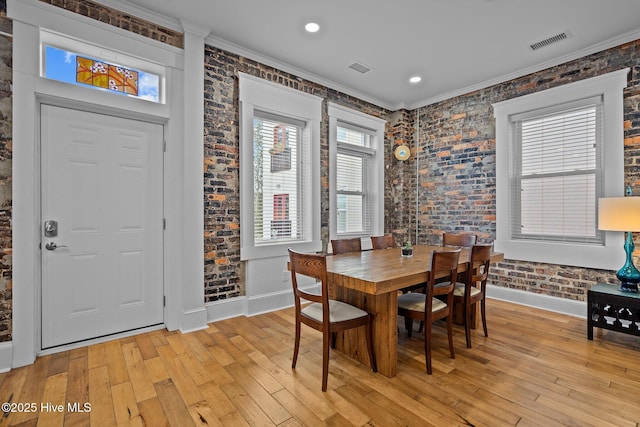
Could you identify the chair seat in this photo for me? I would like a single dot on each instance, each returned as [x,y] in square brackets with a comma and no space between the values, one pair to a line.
[338,311]
[459,290]
[414,301]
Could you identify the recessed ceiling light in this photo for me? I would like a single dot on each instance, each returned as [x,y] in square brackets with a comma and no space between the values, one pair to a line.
[415,79]
[312,27]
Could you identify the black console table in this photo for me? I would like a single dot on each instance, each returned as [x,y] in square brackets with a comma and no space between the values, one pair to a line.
[610,308]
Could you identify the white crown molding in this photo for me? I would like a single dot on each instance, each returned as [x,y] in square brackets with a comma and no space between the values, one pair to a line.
[598,47]
[287,68]
[175,24]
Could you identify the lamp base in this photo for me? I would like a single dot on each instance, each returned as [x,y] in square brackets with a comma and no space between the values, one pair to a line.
[629,287]
[628,275]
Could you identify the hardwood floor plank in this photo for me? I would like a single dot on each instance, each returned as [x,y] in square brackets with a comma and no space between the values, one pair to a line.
[140,378]
[152,413]
[246,406]
[203,415]
[125,405]
[173,404]
[102,413]
[219,402]
[262,397]
[118,372]
[53,405]
[535,369]
[179,376]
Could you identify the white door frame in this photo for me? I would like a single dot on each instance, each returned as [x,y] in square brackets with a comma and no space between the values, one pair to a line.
[183,239]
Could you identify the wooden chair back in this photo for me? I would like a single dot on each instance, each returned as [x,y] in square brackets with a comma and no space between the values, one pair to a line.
[459,239]
[443,262]
[311,265]
[479,265]
[342,246]
[383,242]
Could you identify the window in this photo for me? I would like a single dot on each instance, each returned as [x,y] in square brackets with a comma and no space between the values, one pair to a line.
[556,172]
[280,169]
[557,152]
[356,150]
[81,64]
[277,142]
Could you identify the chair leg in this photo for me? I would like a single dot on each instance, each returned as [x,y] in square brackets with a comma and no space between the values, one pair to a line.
[427,347]
[372,355]
[326,337]
[421,327]
[296,345]
[333,339]
[484,317]
[467,323]
[450,332]
[408,324]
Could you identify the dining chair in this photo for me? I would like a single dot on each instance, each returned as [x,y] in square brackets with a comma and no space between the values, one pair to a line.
[458,239]
[474,287]
[383,242]
[342,246]
[426,306]
[323,314]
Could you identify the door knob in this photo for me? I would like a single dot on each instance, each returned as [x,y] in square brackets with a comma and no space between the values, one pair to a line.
[52,246]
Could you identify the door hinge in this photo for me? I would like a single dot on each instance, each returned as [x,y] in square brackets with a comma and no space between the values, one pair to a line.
[164,146]
[164,223]
[164,300]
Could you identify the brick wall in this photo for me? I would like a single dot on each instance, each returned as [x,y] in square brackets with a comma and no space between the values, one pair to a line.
[121,20]
[6,143]
[454,154]
[457,167]
[223,268]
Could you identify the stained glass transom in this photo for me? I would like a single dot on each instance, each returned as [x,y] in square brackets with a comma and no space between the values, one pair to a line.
[108,76]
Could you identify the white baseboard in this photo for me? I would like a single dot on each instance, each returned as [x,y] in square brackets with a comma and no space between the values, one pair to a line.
[194,320]
[226,309]
[544,302]
[6,356]
[253,305]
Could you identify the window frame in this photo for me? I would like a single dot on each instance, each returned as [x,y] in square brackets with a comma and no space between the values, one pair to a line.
[373,187]
[601,256]
[261,96]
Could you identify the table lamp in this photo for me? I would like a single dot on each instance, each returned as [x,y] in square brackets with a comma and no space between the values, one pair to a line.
[622,214]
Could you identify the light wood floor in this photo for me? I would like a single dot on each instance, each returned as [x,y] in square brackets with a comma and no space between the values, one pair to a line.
[535,368]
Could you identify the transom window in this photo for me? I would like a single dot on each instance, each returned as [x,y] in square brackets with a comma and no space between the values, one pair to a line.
[74,68]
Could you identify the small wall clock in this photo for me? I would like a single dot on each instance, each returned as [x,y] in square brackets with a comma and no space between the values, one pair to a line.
[402,152]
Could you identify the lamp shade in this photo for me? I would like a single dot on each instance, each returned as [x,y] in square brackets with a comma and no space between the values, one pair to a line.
[619,213]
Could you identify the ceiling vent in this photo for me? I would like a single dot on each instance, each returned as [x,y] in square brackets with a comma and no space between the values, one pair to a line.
[360,67]
[547,42]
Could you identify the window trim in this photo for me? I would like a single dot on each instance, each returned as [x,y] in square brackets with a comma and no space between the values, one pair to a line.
[257,94]
[347,116]
[607,256]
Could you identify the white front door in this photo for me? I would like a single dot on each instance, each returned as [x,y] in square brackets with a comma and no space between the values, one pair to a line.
[102,184]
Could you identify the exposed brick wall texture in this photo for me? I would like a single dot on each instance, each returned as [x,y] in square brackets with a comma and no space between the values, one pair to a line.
[121,20]
[457,173]
[6,143]
[223,268]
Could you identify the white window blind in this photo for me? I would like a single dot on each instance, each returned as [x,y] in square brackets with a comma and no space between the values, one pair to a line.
[556,171]
[354,180]
[278,159]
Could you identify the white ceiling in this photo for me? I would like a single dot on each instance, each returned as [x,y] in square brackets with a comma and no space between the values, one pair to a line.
[455,45]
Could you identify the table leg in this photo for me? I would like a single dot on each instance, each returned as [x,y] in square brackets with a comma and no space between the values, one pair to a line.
[384,307]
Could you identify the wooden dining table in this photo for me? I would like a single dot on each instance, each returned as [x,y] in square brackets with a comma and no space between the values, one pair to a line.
[371,280]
